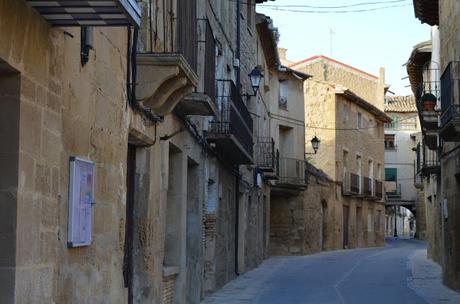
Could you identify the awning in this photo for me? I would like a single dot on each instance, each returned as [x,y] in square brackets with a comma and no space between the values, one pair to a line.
[90,12]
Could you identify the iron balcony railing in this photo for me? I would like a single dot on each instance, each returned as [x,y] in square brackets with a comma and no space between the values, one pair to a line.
[394,193]
[233,117]
[450,92]
[355,185]
[367,186]
[427,161]
[403,125]
[378,189]
[350,183]
[292,171]
[265,154]
[427,89]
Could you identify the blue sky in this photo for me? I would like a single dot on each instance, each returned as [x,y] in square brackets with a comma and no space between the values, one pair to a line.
[366,40]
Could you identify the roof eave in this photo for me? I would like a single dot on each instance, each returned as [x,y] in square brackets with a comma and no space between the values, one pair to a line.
[427,11]
[382,116]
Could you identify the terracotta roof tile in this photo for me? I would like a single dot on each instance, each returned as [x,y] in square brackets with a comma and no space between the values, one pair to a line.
[400,104]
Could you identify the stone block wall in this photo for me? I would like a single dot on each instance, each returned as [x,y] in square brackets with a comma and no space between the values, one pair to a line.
[447,228]
[368,87]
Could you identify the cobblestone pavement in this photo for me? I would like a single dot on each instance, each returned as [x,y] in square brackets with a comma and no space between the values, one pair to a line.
[397,273]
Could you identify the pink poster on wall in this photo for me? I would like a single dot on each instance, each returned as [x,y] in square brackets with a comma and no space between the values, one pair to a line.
[81,200]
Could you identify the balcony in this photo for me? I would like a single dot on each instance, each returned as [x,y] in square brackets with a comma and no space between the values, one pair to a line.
[231,130]
[367,187]
[427,11]
[265,154]
[427,162]
[427,96]
[203,102]
[167,76]
[378,192]
[450,102]
[292,176]
[89,13]
[351,185]
[392,191]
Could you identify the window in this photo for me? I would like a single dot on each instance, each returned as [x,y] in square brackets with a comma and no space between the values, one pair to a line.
[360,120]
[391,174]
[390,142]
[391,177]
[284,94]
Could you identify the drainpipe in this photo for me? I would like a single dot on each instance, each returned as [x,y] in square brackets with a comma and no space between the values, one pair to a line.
[237,220]
[396,229]
[238,45]
[238,86]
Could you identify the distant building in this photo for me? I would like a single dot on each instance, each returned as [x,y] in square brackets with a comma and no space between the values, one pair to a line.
[400,141]
[344,109]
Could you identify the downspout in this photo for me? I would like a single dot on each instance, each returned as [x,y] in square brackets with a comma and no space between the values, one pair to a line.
[238,86]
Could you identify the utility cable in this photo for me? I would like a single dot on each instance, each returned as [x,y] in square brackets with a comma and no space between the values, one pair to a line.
[331,7]
[335,11]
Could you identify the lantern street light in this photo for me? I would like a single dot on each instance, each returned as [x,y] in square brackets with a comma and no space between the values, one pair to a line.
[315,144]
[256,78]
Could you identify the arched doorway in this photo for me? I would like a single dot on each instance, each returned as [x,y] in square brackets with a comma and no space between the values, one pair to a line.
[400,222]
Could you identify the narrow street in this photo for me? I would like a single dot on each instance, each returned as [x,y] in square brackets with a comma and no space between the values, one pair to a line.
[397,273]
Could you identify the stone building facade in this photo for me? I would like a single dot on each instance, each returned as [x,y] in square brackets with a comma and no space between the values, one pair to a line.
[434,75]
[178,205]
[350,128]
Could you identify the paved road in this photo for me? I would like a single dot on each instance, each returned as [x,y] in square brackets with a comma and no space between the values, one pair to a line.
[360,276]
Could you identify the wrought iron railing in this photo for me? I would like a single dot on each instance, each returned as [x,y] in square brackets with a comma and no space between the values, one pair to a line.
[367,186]
[427,161]
[426,88]
[292,171]
[265,154]
[403,125]
[355,185]
[233,117]
[394,193]
[450,92]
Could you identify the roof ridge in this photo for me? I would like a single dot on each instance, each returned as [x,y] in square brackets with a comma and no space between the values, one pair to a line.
[335,61]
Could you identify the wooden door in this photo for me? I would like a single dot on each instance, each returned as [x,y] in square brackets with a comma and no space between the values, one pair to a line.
[129,225]
[346,215]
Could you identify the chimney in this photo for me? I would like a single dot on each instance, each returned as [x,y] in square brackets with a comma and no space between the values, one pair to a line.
[382,75]
[282,52]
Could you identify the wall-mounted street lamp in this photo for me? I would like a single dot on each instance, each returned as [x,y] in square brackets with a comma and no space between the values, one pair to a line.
[315,144]
[255,76]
